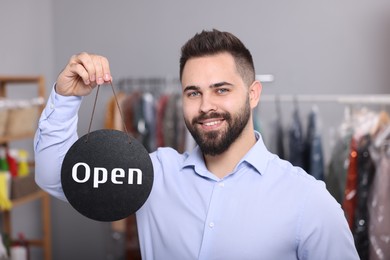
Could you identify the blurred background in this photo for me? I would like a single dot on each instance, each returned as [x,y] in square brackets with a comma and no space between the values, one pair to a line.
[314,48]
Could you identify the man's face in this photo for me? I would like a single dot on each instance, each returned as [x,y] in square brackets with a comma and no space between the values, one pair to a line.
[215,102]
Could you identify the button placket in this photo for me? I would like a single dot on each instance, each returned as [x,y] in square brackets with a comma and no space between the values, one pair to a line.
[211,220]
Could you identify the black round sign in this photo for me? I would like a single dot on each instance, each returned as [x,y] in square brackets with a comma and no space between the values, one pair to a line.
[107,175]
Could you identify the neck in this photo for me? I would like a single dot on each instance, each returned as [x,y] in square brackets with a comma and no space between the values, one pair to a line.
[223,164]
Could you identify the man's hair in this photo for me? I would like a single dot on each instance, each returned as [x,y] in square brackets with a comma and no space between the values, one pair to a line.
[214,42]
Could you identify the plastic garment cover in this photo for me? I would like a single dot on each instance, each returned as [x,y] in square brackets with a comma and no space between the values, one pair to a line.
[337,168]
[379,206]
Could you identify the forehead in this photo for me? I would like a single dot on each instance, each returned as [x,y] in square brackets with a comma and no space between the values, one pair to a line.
[210,66]
[218,58]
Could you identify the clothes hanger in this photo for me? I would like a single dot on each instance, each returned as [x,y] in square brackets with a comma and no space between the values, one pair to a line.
[382,136]
[383,121]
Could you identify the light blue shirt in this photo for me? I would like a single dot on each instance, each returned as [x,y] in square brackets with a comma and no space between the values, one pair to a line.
[265,209]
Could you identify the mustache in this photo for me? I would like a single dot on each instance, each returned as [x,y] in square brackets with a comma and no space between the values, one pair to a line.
[225,116]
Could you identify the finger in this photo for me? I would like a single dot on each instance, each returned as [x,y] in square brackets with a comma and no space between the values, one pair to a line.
[102,68]
[76,68]
[98,69]
[106,70]
[87,61]
[82,72]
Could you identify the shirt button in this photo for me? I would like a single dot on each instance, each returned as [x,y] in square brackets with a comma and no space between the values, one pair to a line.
[51,106]
[221,184]
[211,224]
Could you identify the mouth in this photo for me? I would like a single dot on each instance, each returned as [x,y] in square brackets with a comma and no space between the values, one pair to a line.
[211,124]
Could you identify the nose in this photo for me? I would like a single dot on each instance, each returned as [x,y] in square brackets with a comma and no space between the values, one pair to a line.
[207,104]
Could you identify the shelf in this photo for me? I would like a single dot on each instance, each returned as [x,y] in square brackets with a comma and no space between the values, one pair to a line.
[14,81]
[6,139]
[39,195]
[20,79]
[45,242]
[28,198]
[4,80]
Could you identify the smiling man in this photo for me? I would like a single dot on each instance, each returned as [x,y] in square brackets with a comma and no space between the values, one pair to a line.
[217,106]
[228,198]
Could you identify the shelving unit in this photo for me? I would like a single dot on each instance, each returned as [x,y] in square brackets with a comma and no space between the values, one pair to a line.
[38,195]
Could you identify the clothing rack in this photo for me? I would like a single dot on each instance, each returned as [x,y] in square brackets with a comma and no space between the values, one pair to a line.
[149,84]
[158,84]
[172,84]
[377,99]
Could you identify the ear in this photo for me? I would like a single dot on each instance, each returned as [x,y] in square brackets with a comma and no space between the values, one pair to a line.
[254,93]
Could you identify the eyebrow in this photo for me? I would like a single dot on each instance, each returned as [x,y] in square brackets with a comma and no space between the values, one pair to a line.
[215,85]
[191,87]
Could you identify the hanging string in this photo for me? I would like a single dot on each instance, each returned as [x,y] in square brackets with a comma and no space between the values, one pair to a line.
[120,112]
[93,112]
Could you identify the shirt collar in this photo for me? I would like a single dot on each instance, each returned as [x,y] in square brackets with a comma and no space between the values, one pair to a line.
[195,159]
[258,157]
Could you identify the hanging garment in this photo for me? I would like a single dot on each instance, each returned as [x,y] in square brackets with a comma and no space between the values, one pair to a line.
[127,107]
[313,154]
[140,124]
[276,144]
[338,167]
[256,120]
[296,144]
[366,171]
[109,115]
[279,137]
[169,123]
[149,109]
[378,205]
[180,126]
[349,203]
[161,107]
[279,131]
[113,118]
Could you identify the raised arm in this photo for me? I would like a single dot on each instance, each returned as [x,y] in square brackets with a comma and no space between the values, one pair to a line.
[57,127]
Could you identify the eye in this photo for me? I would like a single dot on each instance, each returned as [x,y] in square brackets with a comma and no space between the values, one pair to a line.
[193,93]
[222,90]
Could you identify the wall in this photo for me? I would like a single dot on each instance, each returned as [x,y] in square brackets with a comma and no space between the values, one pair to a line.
[26,49]
[327,47]
[26,38]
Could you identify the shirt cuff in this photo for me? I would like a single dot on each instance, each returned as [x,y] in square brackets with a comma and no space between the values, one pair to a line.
[62,108]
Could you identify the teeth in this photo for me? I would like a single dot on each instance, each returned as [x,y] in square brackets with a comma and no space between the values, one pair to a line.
[211,123]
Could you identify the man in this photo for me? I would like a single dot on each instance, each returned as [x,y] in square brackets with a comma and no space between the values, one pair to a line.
[229,198]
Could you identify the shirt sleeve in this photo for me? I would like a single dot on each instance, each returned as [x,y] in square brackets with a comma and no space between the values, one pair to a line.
[56,132]
[323,231]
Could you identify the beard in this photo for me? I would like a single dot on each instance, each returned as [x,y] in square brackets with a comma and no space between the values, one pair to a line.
[217,142]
